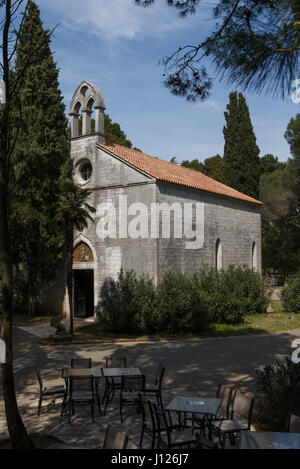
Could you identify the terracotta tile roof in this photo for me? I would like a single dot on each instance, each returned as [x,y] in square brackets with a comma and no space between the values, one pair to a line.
[174,174]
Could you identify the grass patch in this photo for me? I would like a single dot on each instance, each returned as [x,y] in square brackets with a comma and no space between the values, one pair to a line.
[278,321]
[24,320]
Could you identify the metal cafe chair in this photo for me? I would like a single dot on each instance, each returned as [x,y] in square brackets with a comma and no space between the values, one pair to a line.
[87,363]
[156,387]
[49,392]
[113,384]
[240,419]
[114,439]
[148,421]
[170,437]
[131,387]
[81,392]
[81,363]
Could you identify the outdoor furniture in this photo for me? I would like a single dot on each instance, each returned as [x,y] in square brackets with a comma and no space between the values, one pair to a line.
[224,393]
[94,372]
[114,439]
[239,421]
[117,373]
[149,422]
[183,404]
[156,387]
[113,383]
[131,445]
[131,387]
[81,363]
[81,392]
[204,443]
[269,440]
[294,426]
[50,392]
[170,437]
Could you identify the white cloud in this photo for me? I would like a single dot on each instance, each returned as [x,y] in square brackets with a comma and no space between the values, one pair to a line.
[213,104]
[115,19]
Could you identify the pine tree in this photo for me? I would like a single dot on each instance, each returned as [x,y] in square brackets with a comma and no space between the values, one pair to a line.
[241,154]
[41,151]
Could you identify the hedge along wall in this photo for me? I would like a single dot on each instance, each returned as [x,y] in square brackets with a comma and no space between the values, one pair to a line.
[180,304]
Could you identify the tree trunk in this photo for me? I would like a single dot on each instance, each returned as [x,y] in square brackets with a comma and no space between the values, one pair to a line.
[69,272]
[18,435]
[31,299]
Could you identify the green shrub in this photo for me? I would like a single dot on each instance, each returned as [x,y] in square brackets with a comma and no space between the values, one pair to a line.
[128,304]
[291,295]
[271,383]
[180,304]
[143,306]
[115,300]
[232,293]
[242,292]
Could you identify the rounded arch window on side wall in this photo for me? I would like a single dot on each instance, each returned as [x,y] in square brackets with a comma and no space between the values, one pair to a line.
[218,255]
[254,256]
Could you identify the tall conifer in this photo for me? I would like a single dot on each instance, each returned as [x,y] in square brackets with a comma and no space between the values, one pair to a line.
[241,154]
[41,151]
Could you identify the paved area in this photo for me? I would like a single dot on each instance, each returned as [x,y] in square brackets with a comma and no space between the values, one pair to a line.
[45,330]
[196,366]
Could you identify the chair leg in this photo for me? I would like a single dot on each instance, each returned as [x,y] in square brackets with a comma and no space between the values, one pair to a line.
[63,405]
[142,436]
[70,410]
[92,405]
[40,404]
[105,392]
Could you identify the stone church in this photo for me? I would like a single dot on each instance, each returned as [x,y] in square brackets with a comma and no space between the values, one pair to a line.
[151,215]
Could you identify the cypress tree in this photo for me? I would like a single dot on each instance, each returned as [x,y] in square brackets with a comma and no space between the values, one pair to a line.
[41,151]
[241,154]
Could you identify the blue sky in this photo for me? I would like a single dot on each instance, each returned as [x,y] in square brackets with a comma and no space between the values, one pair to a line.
[117,46]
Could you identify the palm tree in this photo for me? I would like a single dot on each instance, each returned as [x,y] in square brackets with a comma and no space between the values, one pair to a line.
[73,212]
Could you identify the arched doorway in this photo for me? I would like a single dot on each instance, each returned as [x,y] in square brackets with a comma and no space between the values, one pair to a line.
[83,268]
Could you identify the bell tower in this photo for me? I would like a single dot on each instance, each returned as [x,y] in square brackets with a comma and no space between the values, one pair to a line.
[88,103]
[86,99]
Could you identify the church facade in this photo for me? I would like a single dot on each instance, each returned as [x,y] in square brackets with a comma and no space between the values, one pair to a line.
[151,215]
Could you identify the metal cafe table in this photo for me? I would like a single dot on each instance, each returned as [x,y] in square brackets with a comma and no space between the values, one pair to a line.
[117,373]
[194,405]
[269,440]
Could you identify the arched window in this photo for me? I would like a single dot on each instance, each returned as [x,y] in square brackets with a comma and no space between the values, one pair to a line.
[218,255]
[254,256]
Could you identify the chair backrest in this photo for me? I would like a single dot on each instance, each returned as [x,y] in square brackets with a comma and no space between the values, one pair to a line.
[85,383]
[159,375]
[243,406]
[81,363]
[114,439]
[134,383]
[131,445]
[115,362]
[147,411]
[225,393]
[162,422]
[39,377]
[294,426]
